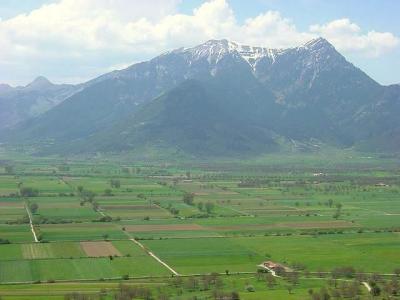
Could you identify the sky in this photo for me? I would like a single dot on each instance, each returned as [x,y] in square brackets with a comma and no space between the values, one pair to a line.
[72,41]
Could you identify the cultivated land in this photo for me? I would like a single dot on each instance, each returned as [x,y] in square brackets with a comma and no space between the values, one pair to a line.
[100,222]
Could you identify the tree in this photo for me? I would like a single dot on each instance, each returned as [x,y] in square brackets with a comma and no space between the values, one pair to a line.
[80,189]
[347,272]
[87,196]
[271,281]
[336,294]
[108,192]
[188,198]
[141,196]
[289,288]
[9,169]
[250,288]
[174,211]
[4,241]
[374,278]
[191,283]
[163,296]
[115,183]
[324,294]
[28,192]
[393,287]
[293,277]
[375,290]
[321,295]
[338,211]
[206,281]
[106,219]
[209,207]
[33,207]
[95,206]
[260,274]
[77,296]
[177,282]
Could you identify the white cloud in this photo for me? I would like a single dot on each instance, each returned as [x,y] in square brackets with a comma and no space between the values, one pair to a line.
[348,37]
[271,29]
[75,38]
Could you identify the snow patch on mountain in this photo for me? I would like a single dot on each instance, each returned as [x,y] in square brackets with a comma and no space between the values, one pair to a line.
[214,50]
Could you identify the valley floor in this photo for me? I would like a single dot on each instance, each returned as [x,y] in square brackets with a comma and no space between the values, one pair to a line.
[179,231]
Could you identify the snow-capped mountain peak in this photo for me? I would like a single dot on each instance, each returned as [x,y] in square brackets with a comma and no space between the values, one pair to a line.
[214,50]
[317,43]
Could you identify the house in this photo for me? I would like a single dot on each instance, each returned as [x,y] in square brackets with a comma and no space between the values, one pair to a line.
[273,267]
[318,174]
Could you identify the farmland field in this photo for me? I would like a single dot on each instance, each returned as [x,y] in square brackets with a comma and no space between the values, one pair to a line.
[144,224]
[99,249]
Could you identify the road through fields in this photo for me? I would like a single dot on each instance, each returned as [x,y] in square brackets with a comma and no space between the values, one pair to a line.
[31,224]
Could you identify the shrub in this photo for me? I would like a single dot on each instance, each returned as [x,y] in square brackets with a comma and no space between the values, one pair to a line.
[250,288]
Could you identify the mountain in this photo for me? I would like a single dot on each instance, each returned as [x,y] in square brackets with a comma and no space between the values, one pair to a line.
[39,83]
[378,125]
[22,103]
[5,88]
[222,98]
[193,118]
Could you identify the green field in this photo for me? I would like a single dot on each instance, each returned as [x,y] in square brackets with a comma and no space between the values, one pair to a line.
[83,268]
[80,231]
[311,216]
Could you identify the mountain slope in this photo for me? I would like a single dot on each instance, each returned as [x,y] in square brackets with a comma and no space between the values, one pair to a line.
[191,118]
[21,103]
[379,124]
[114,96]
[222,98]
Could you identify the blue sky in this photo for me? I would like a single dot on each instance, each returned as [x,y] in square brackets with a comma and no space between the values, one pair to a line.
[75,40]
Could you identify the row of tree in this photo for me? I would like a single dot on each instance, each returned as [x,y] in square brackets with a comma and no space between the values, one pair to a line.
[208,207]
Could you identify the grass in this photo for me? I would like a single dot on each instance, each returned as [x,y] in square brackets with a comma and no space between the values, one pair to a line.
[16,233]
[79,268]
[282,215]
[129,248]
[52,250]
[206,255]
[47,185]
[81,231]
[11,252]
[368,252]
[11,209]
